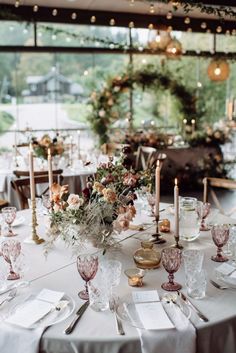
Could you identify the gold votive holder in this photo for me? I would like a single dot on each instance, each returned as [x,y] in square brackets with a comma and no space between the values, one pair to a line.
[164,225]
[135,276]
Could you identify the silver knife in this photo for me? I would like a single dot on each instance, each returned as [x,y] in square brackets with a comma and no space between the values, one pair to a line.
[78,315]
[201,316]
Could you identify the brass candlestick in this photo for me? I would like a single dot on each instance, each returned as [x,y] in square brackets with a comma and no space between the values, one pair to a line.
[177,245]
[157,239]
[35,236]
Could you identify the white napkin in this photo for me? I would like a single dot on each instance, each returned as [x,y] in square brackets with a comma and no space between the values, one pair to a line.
[181,339]
[18,339]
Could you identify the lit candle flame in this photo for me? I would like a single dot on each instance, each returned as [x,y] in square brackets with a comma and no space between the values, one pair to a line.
[176,181]
[158,163]
[31,147]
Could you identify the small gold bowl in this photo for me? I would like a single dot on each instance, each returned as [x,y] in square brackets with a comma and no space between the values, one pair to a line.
[135,276]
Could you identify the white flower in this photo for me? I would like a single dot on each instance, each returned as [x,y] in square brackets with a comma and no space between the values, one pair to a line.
[75,200]
[101,113]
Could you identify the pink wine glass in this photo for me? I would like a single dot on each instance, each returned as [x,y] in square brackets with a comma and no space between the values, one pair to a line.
[87,266]
[203,210]
[171,260]
[9,215]
[220,236]
[11,250]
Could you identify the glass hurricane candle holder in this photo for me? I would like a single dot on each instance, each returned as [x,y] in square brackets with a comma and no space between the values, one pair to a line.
[9,215]
[135,276]
[87,266]
[203,210]
[220,236]
[171,260]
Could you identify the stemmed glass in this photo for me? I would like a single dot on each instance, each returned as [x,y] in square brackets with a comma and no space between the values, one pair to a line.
[171,260]
[151,201]
[87,266]
[220,236]
[11,250]
[9,215]
[203,210]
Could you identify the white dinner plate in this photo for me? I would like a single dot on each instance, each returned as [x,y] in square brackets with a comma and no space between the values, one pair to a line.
[18,221]
[53,317]
[126,311]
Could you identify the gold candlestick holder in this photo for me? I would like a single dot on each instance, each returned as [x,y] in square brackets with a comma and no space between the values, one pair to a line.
[35,236]
[157,238]
[177,244]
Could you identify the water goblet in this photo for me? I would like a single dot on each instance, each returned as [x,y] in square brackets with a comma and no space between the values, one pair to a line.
[151,201]
[9,215]
[171,260]
[87,266]
[111,269]
[11,250]
[220,236]
[203,210]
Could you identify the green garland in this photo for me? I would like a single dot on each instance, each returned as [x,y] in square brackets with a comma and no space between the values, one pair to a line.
[190,5]
[105,104]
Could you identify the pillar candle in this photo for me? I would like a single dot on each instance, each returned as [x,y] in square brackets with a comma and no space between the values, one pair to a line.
[176,204]
[50,174]
[78,132]
[205,190]
[157,184]
[193,122]
[31,172]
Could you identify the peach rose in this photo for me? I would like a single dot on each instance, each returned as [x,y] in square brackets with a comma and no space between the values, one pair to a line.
[109,195]
[98,187]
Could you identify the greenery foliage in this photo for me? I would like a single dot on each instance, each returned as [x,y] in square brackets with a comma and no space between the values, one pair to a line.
[6,120]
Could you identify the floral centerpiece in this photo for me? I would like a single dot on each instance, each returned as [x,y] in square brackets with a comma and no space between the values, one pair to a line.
[104,209]
[42,145]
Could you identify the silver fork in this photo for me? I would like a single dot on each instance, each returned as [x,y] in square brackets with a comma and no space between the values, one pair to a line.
[217,285]
[10,296]
[113,306]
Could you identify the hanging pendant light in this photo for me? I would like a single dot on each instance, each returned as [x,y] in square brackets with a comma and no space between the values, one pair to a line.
[218,70]
[174,48]
[158,40]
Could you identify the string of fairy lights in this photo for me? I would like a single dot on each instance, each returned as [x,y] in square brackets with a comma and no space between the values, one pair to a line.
[152,7]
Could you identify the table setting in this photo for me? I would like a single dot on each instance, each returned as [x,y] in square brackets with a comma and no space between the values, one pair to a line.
[80,270]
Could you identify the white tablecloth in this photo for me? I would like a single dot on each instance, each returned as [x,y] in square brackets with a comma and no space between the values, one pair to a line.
[95,333]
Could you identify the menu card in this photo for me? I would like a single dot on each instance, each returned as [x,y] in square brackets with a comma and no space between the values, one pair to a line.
[225,269]
[35,309]
[150,310]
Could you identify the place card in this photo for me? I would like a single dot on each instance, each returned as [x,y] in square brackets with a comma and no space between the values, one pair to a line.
[153,316]
[145,296]
[35,308]
[225,269]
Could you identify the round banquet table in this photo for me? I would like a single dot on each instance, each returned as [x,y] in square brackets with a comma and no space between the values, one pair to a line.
[95,332]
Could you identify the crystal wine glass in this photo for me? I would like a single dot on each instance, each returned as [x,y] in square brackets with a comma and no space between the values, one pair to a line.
[203,210]
[87,266]
[171,260]
[9,215]
[11,250]
[220,236]
[151,201]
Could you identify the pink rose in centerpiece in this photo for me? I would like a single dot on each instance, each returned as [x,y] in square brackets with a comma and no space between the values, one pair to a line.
[130,179]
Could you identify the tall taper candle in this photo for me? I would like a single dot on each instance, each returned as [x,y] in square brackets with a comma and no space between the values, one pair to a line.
[157,184]
[31,172]
[176,203]
[78,147]
[50,175]
[204,190]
